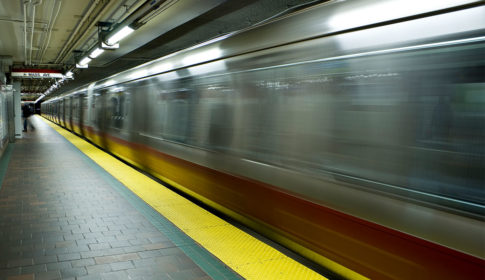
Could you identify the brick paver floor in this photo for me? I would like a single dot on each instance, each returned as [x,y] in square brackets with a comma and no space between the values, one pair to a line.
[60,219]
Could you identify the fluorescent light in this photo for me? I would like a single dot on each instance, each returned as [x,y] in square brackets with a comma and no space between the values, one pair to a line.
[38,99]
[69,75]
[109,47]
[96,53]
[125,31]
[85,61]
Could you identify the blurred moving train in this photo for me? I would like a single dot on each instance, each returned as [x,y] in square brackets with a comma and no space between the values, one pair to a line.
[353,132]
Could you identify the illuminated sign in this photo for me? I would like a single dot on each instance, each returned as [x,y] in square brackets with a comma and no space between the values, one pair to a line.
[37,73]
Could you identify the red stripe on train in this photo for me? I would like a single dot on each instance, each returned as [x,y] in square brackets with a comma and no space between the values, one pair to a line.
[367,248]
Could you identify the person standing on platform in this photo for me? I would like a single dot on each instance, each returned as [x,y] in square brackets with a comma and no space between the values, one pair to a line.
[27,111]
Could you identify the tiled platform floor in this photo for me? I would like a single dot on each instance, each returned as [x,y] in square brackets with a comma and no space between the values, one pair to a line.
[60,219]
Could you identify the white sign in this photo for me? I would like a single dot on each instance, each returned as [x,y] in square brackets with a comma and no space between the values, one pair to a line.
[37,75]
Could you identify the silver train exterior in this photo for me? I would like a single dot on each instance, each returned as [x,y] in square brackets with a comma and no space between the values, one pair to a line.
[352,132]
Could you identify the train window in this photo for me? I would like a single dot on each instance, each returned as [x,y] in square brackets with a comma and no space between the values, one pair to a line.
[75,108]
[98,107]
[84,107]
[418,127]
[411,119]
[116,109]
[155,111]
[175,122]
[126,105]
[61,108]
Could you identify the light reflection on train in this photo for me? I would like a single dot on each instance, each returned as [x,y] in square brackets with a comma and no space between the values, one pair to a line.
[360,142]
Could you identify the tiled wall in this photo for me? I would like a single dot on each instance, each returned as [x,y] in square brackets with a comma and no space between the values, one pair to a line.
[3,123]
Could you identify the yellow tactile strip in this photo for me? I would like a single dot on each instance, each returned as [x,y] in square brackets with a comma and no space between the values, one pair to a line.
[248,256]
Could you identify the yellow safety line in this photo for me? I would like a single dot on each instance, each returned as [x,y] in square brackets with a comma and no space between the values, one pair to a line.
[248,256]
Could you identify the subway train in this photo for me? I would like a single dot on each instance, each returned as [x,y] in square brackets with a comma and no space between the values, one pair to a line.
[351,132]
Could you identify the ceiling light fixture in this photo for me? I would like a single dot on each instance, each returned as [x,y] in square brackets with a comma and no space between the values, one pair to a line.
[109,47]
[69,75]
[119,35]
[40,98]
[83,63]
[96,52]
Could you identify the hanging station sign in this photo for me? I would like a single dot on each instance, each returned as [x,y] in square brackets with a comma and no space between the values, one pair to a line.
[37,73]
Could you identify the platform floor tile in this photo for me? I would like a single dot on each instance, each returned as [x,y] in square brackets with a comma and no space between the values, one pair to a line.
[247,255]
[62,218]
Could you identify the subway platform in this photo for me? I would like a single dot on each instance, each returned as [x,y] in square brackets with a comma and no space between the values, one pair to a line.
[64,216]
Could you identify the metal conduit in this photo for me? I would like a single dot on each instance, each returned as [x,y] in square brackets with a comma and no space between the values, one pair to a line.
[32,34]
[127,12]
[52,21]
[34,3]
[63,51]
[92,22]
[25,30]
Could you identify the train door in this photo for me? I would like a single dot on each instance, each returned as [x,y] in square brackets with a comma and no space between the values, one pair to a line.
[65,115]
[58,112]
[84,113]
[74,113]
[79,101]
[54,111]
[69,113]
[100,119]
[61,112]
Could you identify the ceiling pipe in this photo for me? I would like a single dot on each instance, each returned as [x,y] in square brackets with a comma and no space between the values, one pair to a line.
[74,34]
[52,21]
[128,10]
[135,18]
[34,4]
[132,20]
[87,38]
[32,33]
[25,30]
[45,31]
[140,11]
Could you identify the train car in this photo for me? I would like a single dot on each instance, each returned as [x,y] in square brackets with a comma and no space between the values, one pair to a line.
[351,132]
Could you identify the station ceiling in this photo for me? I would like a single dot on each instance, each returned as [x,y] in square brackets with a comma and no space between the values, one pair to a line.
[55,34]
